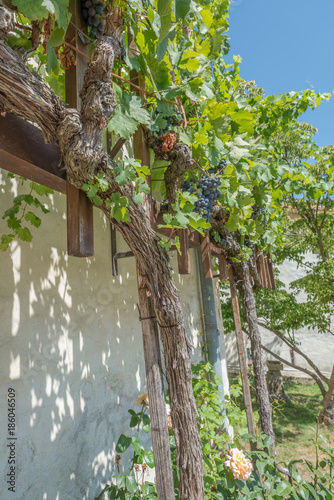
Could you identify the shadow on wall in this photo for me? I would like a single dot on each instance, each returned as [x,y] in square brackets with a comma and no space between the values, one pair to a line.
[72,357]
[71,349]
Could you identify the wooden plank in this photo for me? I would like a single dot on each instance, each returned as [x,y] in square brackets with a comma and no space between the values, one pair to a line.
[80,242]
[206,256]
[265,261]
[183,260]
[21,167]
[241,355]
[259,267]
[80,234]
[223,271]
[271,272]
[24,152]
[156,394]
[154,374]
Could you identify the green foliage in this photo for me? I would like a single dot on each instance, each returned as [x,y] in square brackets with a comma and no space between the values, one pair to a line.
[181,45]
[18,214]
[268,481]
[41,9]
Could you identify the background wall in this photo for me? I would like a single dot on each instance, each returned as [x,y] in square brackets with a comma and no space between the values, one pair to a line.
[71,348]
[318,347]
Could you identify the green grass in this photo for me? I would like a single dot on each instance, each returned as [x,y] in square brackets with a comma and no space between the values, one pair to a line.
[295,423]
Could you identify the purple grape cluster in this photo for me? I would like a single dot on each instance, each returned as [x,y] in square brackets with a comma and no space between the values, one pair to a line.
[171,122]
[92,11]
[207,191]
[257,210]
[221,166]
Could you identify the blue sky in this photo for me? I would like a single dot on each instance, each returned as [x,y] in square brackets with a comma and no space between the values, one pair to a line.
[288,45]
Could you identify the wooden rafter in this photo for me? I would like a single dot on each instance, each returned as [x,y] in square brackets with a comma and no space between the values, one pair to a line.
[24,152]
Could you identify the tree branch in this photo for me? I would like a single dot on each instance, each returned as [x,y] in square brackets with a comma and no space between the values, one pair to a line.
[296,349]
[300,368]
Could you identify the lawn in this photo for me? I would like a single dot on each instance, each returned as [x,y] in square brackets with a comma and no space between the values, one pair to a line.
[295,423]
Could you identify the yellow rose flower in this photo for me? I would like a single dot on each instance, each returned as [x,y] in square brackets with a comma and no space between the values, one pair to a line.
[240,466]
[142,399]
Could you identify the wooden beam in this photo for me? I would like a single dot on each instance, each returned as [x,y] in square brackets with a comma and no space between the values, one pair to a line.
[80,234]
[154,375]
[206,256]
[241,355]
[183,260]
[266,268]
[260,270]
[271,272]
[156,394]
[24,152]
[223,271]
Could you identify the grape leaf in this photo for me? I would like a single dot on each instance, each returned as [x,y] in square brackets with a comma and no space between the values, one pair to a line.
[33,219]
[138,198]
[24,234]
[122,124]
[40,9]
[182,8]
[165,13]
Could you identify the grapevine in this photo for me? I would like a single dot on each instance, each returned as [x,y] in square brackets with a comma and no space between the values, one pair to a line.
[207,191]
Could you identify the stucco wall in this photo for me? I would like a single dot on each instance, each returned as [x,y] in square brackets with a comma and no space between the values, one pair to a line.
[71,348]
[318,347]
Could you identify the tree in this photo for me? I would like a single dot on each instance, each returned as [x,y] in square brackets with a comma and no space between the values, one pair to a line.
[307,209]
[217,130]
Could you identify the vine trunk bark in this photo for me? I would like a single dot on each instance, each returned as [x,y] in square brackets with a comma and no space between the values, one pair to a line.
[78,135]
[327,413]
[242,279]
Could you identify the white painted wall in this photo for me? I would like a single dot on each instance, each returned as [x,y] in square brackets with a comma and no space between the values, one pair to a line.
[71,348]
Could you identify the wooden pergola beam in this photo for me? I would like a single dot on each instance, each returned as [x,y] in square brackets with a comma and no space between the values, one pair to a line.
[24,152]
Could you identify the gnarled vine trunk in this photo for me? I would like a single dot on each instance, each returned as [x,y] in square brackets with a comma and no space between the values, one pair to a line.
[327,413]
[78,136]
[245,288]
[241,273]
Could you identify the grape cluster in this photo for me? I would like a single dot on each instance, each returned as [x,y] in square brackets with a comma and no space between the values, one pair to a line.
[257,210]
[171,122]
[207,191]
[222,164]
[92,11]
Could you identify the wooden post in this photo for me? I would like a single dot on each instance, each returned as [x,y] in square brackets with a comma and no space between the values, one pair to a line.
[242,356]
[156,395]
[223,268]
[271,272]
[80,236]
[206,256]
[260,269]
[183,260]
[154,375]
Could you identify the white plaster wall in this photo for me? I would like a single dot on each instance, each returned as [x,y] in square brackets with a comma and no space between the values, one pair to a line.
[71,347]
[319,347]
